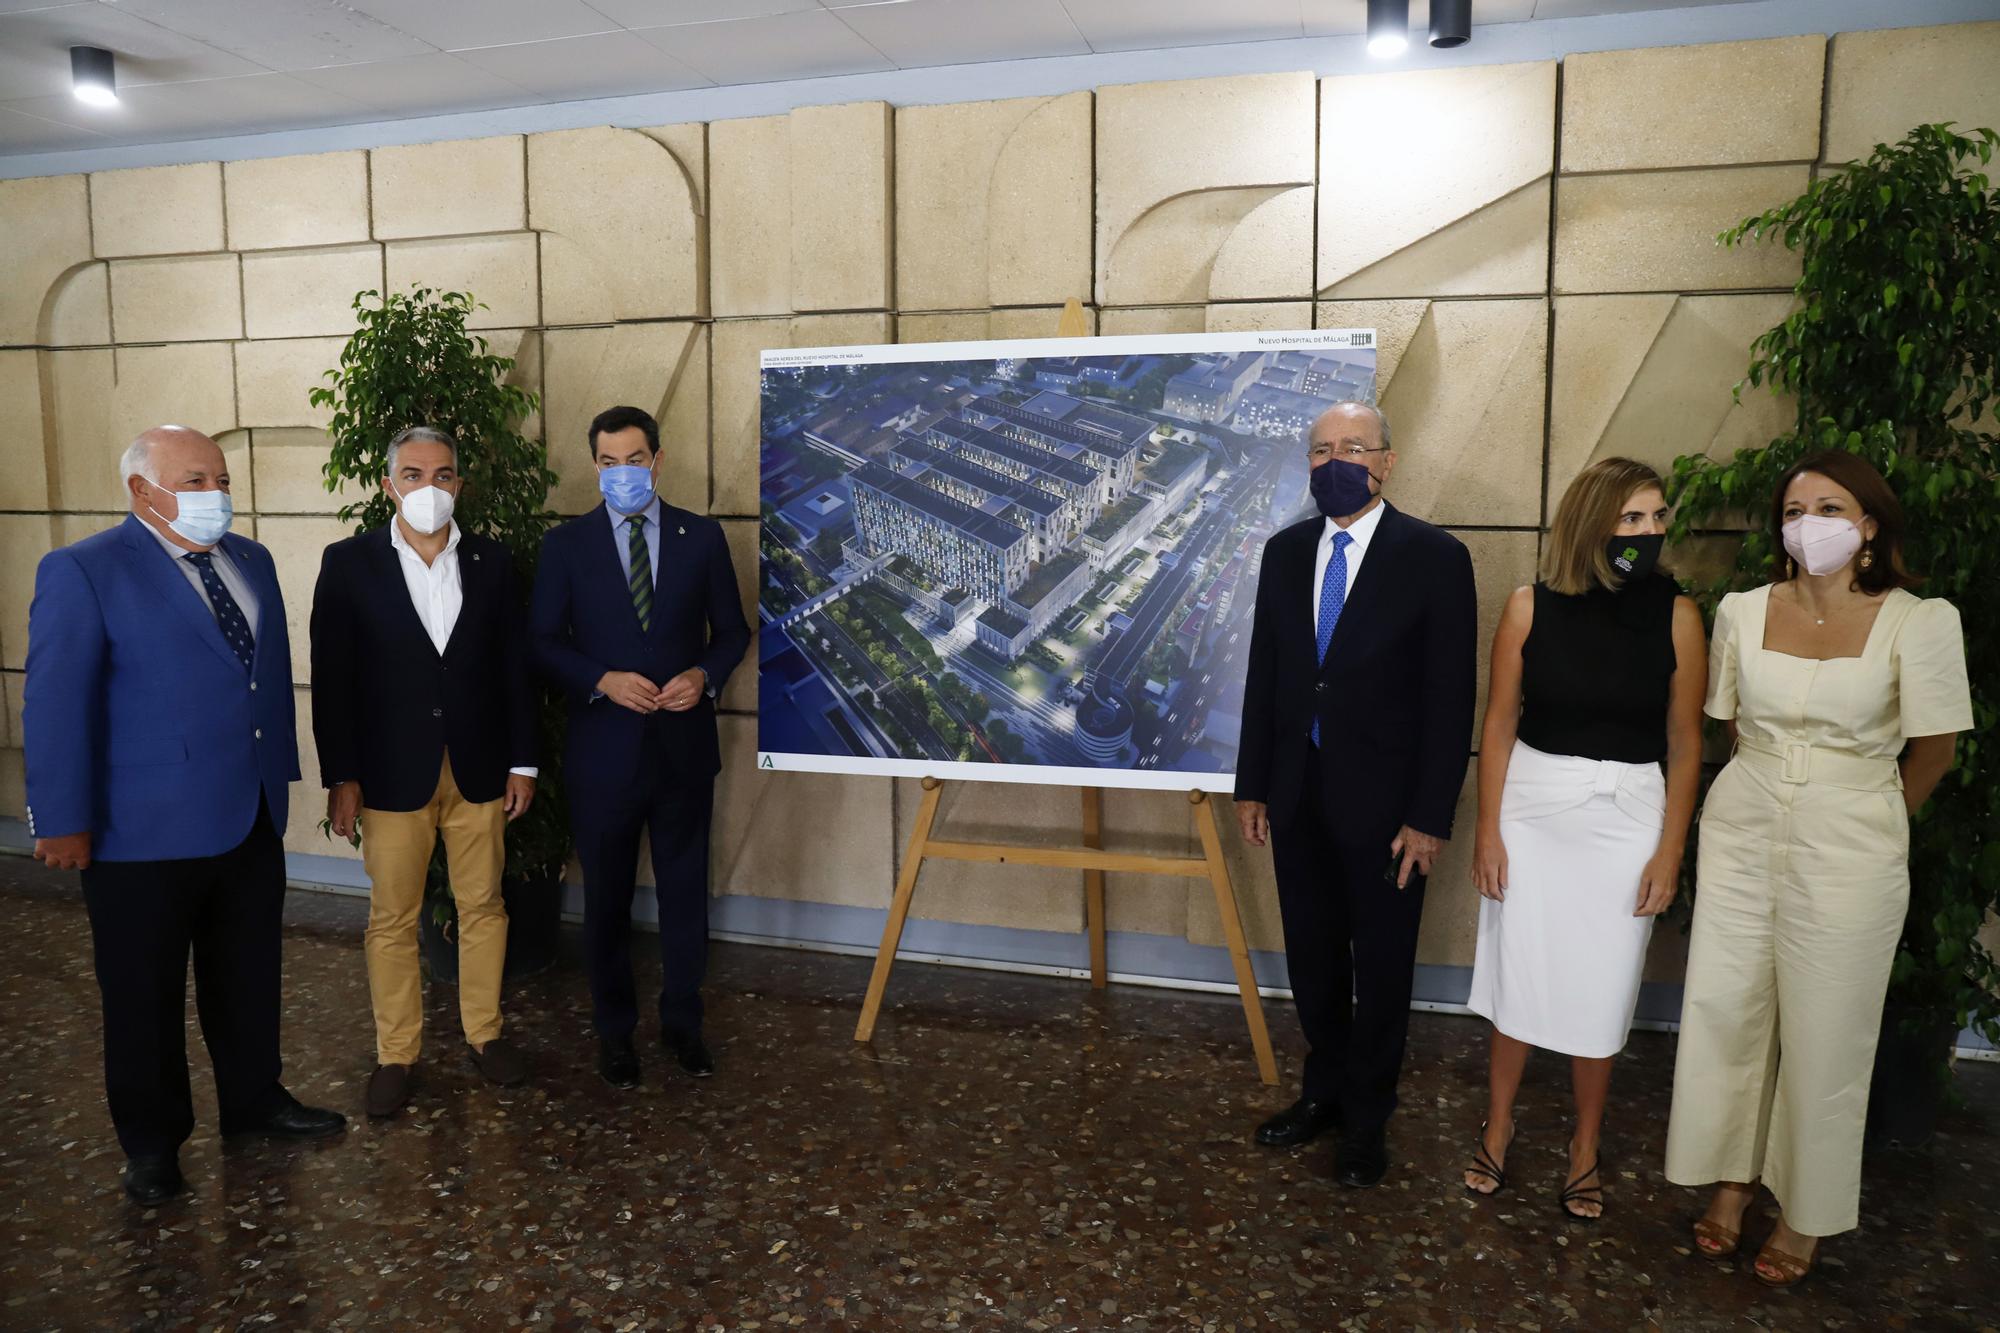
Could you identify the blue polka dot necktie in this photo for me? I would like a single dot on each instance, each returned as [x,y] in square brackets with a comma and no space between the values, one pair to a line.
[1332,598]
[229,616]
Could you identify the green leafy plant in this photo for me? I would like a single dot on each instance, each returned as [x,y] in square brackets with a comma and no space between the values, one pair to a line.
[411,362]
[1892,352]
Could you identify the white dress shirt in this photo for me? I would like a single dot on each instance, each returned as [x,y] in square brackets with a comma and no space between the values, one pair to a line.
[1361,531]
[225,569]
[436,593]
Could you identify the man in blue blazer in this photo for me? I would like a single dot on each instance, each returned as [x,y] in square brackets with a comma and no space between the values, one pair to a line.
[160,744]
[637,618]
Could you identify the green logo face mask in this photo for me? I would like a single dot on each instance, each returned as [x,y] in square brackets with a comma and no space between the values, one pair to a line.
[1633,558]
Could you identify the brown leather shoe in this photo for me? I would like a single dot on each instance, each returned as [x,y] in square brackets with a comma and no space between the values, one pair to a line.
[388,1090]
[501,1062]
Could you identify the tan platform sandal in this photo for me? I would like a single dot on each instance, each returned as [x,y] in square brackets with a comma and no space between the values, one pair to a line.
[1790,1270]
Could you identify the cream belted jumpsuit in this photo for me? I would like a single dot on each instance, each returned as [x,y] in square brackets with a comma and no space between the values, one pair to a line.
[1802,879]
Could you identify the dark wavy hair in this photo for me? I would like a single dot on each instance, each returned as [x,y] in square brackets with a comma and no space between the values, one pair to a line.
[1860,479]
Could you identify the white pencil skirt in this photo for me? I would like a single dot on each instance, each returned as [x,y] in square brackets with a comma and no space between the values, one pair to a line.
[1558,961]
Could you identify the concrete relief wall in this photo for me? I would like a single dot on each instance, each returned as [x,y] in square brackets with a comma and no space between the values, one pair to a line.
[1534,244]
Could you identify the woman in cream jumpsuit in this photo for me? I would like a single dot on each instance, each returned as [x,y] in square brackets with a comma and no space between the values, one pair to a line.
[1802,870]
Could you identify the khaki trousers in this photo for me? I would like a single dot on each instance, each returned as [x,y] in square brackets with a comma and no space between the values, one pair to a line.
[396,850]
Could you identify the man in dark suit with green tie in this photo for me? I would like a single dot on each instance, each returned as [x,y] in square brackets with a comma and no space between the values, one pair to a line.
[637,619]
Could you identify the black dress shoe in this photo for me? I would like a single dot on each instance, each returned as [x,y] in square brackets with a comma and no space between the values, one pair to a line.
[152,1180]
[293,1120]
[1361,1161]
[617,1063]
[691,1053]
[1300,1123]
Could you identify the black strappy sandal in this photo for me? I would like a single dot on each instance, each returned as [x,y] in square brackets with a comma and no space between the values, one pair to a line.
[1578,1192]
[1484,1165]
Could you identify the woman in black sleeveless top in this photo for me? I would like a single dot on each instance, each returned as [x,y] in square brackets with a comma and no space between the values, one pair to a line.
[1596,683]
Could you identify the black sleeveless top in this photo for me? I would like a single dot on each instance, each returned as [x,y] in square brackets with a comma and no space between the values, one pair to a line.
[1597,670]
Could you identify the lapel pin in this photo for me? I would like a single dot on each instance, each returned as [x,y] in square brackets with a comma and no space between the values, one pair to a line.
[475,555]
[682,531]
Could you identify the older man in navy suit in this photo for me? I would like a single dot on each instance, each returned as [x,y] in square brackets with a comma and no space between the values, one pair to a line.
[1357,725]
[637,619]
[160,743]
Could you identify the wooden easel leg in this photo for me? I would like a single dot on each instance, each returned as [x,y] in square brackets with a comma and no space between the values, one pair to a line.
[1093,883]
[1232,929]
[899,909]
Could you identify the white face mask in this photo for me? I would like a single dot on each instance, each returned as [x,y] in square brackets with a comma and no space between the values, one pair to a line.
[202,517]
[427,508]
[1820,543]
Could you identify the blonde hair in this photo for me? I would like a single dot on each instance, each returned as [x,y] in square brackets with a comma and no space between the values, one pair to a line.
[1573,558]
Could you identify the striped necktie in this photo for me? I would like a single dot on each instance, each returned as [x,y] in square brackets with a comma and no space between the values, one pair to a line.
[640,564]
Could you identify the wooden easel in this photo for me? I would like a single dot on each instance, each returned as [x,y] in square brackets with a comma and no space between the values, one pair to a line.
[1091,859]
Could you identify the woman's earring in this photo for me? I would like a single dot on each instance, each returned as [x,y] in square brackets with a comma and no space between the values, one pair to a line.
[1791,570]
[1867,557]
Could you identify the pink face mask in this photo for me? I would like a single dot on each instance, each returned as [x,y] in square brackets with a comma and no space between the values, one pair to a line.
[1820,544]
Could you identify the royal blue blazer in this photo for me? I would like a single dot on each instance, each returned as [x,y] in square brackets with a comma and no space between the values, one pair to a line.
[141,726]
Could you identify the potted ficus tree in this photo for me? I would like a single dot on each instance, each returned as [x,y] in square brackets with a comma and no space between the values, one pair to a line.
[1892,352]
[410,362]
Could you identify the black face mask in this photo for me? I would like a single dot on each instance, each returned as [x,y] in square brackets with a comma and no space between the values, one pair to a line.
[1341,488]
[1633,558]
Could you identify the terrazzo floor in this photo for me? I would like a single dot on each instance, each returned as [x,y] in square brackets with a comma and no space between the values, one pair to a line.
[1011,1153]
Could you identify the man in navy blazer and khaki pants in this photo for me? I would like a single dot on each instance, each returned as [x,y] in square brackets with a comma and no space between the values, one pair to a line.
[637,618]
[425,722]
[160,746]
[1357,729]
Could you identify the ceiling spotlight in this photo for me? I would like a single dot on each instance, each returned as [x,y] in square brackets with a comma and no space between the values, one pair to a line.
[93,75]
[1388,28]
[1451,23]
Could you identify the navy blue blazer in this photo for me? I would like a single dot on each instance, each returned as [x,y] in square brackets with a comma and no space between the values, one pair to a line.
[387,706]
[1394,697]
[583,624]
[142,727]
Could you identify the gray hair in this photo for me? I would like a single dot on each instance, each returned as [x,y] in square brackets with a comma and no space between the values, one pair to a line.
[1381,419]
[137,461]
[421,435]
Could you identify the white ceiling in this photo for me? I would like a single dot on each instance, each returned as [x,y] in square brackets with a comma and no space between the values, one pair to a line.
[192,69]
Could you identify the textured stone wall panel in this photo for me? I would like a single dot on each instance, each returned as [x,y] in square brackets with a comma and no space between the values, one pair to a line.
[1650,377]
[307,293]
[275,202]
[1881,84]
[177,298]
[1656,230]
[993,203]
[622,221]
[157,210]
[448,189]
[1435,183]
[44,234]
[1722,104]
[1205,190]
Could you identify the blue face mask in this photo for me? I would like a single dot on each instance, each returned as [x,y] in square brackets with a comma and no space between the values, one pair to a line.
[203,518]
[626,489]
[1340,488]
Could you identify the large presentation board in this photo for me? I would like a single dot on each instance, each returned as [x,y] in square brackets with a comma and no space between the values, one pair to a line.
[1028,561]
